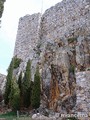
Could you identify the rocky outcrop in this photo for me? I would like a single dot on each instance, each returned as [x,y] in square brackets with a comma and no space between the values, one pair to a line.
[59,42]
[2,82]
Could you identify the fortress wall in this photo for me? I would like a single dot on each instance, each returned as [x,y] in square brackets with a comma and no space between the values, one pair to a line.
[67,19]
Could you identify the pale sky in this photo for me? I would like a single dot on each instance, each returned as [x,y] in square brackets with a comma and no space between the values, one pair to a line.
[13,10]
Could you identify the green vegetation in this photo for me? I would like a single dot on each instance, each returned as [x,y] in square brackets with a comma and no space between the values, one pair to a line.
[26,85]
[8,115]
[8,83]
[22,92]
[20,88]
[72,69]
[17,62]
[20,81]
[14,64]
[13,116]
[70,40]
[15,96]
[35,98]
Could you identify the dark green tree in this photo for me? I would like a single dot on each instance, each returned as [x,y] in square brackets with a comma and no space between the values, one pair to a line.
[17,62]
[20,82]
[21,89]
[26,85]
[35,98]
[14,95]
[8,83]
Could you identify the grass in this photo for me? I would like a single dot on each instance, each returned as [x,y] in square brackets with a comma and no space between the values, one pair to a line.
[12,116]
[8,115]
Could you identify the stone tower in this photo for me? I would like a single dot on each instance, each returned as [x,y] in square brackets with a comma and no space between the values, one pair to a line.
[27,36]
[26,40]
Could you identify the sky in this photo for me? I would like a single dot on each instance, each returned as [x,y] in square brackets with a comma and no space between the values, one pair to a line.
[13,10]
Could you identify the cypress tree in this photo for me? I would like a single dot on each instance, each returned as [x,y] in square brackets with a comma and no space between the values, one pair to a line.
[20,82]
[8,83]
[21,89]
[35,98]
[14,95]
[14,62]
[26,85]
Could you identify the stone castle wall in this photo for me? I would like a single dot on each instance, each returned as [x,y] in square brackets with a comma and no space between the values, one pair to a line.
[60,42]
[65,19]
[27,36]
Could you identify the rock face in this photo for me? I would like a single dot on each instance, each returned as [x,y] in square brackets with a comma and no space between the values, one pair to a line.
[59,41]
[2,82]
